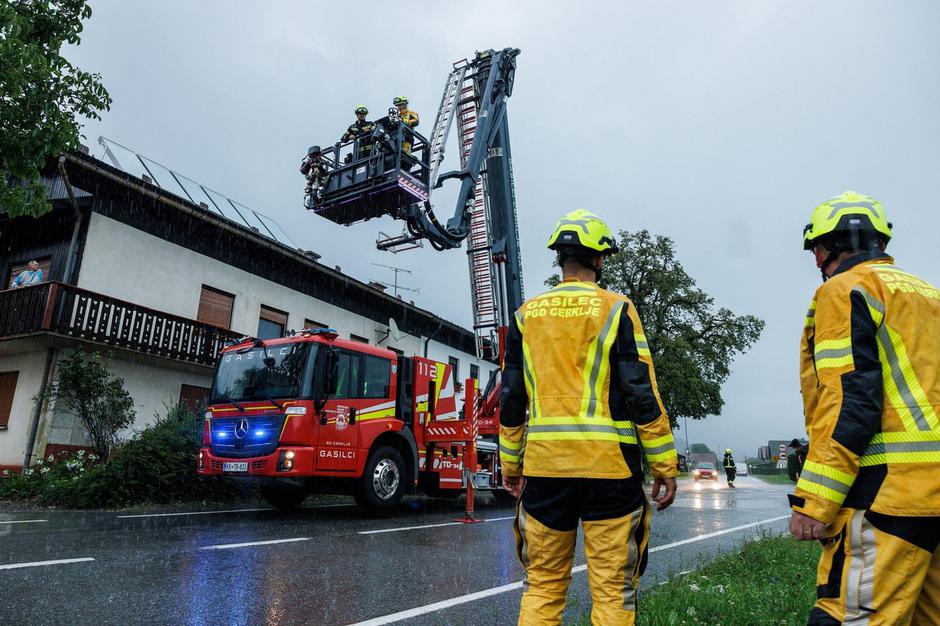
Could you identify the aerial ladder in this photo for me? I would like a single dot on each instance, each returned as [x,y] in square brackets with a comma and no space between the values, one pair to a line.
[393,181]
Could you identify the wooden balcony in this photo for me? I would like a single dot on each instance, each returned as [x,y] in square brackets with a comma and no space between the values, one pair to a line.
[63,310]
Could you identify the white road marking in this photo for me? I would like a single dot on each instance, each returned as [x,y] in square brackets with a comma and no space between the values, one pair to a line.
[24,521]
[396,530]
[191,513]
[41,563]
[227,546]
[303,508]
[444,604]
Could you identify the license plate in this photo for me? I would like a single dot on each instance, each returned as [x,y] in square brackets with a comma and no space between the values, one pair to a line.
[240,466]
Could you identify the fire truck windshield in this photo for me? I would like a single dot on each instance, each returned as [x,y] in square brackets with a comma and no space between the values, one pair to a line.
[259,373]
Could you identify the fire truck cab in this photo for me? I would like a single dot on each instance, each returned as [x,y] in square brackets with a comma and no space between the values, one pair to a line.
[315,413]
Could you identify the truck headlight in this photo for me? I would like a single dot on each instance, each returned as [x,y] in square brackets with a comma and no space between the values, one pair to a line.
[285,461]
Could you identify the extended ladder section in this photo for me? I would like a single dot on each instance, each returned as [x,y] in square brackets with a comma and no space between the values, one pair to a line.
[483,292]
[445,117]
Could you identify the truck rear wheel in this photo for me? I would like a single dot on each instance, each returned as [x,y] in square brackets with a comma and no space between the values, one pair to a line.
[283,497]
[382,484]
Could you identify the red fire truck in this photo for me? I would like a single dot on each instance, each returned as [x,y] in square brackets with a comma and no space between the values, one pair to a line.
[315,413]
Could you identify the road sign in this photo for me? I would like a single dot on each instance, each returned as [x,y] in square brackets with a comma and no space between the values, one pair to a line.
[783,447]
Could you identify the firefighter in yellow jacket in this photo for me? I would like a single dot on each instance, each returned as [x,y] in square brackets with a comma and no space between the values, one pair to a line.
[409,118]
[578,366]
[870,377]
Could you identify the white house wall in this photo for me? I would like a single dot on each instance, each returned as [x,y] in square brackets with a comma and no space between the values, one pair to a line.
[31,366]
[154,389]
[131,265]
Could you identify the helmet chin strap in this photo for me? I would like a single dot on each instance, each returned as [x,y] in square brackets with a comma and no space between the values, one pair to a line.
[829,259]
[835,249]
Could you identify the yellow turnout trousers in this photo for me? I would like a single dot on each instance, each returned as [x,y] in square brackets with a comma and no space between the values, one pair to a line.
[879,570]
[615,548]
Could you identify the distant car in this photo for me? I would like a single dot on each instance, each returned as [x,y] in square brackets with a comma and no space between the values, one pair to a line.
[741,468]
[705,470]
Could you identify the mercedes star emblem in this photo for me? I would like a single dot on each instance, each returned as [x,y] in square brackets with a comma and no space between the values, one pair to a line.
[241,428]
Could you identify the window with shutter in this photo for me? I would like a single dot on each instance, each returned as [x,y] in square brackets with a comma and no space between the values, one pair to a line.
[215,307]
[271,323]
[195,398]
[7,389]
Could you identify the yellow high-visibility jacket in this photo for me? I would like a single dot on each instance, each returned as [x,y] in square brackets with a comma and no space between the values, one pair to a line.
[409,118]
[577,364]
[870,378]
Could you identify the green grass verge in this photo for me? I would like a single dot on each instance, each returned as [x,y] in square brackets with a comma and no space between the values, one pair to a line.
[770,581]
[775,479]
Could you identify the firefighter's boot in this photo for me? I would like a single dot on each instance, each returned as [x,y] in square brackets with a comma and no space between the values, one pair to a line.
[546,555]
[616,555]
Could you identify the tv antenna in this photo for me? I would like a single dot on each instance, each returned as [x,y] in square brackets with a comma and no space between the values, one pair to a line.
[394,285]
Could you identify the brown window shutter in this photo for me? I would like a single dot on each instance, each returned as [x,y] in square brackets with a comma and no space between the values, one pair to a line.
[215,307]
[308,323]
[7,389]
[273,315]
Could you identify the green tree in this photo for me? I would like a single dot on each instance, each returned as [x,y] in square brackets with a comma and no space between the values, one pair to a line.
[41,96]
[693,343]
[85,386]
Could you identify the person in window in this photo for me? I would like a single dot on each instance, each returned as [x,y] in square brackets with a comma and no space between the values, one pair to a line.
[32,275]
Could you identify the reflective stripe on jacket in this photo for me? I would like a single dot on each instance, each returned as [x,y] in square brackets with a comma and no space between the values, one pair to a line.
[577,362]
[870,379]
[357,129]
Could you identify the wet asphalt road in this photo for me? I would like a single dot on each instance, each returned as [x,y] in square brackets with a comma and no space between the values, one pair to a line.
[325,564]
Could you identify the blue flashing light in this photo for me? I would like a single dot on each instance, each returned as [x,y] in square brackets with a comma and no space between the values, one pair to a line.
[259,433]
[221,434]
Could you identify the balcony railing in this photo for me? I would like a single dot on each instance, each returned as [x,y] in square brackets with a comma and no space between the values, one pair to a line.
[69,311]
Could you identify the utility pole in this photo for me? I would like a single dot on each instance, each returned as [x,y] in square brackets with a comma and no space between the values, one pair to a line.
[395,285]
[688,442]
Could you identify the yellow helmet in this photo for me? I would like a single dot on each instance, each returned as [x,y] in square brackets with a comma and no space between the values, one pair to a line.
[582,228]
[850,211]
[727,450]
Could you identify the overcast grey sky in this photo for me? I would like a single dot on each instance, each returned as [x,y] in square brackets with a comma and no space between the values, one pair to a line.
[719,124]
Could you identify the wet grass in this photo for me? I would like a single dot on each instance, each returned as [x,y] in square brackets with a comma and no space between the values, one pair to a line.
[775,479]
[769,581]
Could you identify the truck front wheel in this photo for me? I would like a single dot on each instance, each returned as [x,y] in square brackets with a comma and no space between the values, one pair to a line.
[284,497]
[382,484]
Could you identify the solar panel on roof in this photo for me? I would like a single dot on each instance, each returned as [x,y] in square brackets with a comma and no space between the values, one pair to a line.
[186,188]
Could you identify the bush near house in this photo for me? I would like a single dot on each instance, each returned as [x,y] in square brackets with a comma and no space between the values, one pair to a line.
[85,386]
[157,465]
